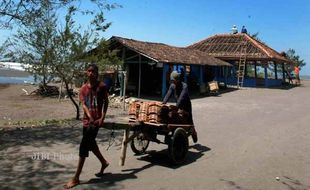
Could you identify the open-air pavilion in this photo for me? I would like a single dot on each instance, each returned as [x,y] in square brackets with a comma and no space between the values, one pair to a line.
[263,65]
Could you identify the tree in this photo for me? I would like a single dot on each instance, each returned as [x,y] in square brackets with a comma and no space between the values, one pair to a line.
[103,56]
[54,50]
[33,44]
[71,53]
[291,54]
[23,12]
[1,51]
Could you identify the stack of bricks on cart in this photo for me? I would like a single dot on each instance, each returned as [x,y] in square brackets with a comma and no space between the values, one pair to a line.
[156,112]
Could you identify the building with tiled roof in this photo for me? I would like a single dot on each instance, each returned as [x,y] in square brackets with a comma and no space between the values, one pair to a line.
[163,53]
[263,65]
[231,59]
[149,65]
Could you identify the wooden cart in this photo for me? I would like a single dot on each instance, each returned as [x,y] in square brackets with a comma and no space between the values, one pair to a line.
[139,134]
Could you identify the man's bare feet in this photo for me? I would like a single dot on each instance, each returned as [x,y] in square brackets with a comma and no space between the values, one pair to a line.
[72,183]
[103,167]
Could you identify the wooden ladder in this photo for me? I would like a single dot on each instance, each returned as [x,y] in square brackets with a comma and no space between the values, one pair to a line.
[242,61]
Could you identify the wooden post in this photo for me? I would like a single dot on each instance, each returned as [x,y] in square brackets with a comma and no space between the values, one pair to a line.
[275,70]
[164,80]
[255,69]
[202,87]
[266,74]
[283,72]
[124,92]
[245,74]
[121,92]
[124,148]
[226,74]
[121,81]
[139,87]
[185,74]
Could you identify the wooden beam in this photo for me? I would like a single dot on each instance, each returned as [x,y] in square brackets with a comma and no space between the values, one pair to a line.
[226,74]
[283,72]
[266,75]
[275,70]
[134,56]
[245,70]
[164,80]
[136,62]
[123,55]
[121,93]
[255,65]
[125,84]
[124,148]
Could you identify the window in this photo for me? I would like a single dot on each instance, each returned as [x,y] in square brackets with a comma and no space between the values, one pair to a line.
[250,70]
[271,71]
[260,71]
[280,71]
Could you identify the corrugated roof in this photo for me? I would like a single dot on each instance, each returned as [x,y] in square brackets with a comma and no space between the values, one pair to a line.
[169,54]
[228,47]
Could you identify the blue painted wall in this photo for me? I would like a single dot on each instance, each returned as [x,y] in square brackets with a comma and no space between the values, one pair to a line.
[248,82]
[273,82]
[252,82]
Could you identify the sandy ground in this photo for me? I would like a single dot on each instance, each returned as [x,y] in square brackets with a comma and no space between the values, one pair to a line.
[247,138]
[17,106]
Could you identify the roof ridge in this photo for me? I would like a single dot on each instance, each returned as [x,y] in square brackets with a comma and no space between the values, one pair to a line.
[169,54]
[260,45]
[264,47]
[160,43]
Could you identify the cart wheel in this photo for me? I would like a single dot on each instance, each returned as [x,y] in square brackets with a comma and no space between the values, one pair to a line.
[139,144]
[178,146]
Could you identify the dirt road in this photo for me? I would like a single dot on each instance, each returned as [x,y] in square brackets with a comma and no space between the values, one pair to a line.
[248,139]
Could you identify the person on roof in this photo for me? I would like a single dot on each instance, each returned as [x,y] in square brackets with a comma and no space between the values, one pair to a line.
[234,29]
[244,30]
[179,90]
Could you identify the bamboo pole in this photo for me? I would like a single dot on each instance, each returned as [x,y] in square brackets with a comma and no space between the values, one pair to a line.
[124,91]
[139,87]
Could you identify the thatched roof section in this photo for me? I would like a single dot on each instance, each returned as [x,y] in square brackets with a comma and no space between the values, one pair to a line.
[163,53]
[228,47]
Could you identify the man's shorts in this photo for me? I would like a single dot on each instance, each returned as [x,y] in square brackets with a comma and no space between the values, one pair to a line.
[88,142]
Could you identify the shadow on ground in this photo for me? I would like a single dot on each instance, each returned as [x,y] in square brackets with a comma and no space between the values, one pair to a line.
[153,158]
[233,185]
[293,184]
[19,169]
[161,157]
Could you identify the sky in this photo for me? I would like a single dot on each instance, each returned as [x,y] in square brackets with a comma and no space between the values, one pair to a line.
[281,24]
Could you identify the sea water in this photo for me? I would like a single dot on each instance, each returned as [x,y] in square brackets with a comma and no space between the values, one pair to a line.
[305,77]
[17,80]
